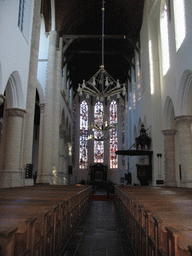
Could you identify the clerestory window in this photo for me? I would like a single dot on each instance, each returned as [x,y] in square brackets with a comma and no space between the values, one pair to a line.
[24,17]
[165,38]
[179,19]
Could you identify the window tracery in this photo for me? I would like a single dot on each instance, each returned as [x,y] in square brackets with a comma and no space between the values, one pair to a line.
[83,138]
[113,141]
[98,145]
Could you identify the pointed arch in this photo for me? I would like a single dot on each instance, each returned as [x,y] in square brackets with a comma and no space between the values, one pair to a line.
[169,115]
[40,92]
[184,98]
[14,91]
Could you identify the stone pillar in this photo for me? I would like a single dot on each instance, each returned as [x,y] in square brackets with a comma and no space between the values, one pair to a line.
[12,174]
[61,156]
[57,100]
[169,149]
[32,85]
[40,156]
[48,162]
[3,137]
[185,147]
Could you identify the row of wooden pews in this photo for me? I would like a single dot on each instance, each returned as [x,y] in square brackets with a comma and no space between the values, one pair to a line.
[158,220]
[40,220]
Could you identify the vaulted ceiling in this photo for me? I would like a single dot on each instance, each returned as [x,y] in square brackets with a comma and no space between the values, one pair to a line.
[79,22]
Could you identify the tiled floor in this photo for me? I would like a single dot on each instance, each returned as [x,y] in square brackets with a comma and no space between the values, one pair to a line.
[100,233]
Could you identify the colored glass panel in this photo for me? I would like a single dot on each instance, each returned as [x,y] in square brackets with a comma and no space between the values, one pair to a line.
[98,145]
[113,141]
[83,138]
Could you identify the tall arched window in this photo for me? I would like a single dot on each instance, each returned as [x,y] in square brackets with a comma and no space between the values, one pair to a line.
[123,129]
[98,145]
[113,135]
[179,18]
[138,68]
[83,149]
[165,38]
[151,67]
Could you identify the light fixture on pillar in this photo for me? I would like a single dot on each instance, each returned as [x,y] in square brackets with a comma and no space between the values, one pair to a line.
[102,85]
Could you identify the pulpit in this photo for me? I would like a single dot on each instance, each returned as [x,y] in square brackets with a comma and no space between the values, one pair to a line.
[144,172]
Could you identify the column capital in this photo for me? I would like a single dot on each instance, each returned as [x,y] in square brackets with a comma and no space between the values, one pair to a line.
[183,119]
[169,132]
[18,112]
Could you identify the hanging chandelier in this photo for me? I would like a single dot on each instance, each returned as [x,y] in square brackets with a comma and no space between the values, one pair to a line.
[101,85]
[98,138]
[103,127]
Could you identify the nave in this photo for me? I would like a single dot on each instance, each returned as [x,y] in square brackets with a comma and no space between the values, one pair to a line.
[101,232]
[57,220]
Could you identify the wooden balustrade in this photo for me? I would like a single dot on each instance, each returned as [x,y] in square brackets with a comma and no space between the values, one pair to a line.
[40,220]
[157,219]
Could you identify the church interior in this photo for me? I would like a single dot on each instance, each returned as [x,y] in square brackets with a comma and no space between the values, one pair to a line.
[95,113]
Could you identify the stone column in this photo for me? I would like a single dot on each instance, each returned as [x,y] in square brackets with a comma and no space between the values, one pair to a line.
[185,147]
[32,85]
[61,156]
[169,149]
[57,100]
[3,137]
[12,174]
[40,156]
[47,160]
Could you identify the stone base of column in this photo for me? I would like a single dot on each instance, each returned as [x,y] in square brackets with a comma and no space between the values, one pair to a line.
[186,184]
[171,183]
[13,178]
[28,182]
[44,178]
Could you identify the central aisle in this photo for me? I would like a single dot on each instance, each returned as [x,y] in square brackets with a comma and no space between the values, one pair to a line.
[100,233]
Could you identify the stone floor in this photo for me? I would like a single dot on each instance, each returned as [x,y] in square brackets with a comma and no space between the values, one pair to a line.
[100,233]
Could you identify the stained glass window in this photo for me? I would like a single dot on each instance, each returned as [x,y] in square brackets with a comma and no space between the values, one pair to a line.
[113,135]
[138,80]
[83,149]
[133,81]
[98,145]
[123,129]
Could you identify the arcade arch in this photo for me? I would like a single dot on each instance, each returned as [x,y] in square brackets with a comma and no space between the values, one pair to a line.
[183,125]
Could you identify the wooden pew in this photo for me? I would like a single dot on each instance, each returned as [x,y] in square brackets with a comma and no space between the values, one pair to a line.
[156,219]
[56,209]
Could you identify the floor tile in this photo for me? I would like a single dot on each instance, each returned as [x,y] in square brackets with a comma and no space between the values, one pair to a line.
[100,233]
